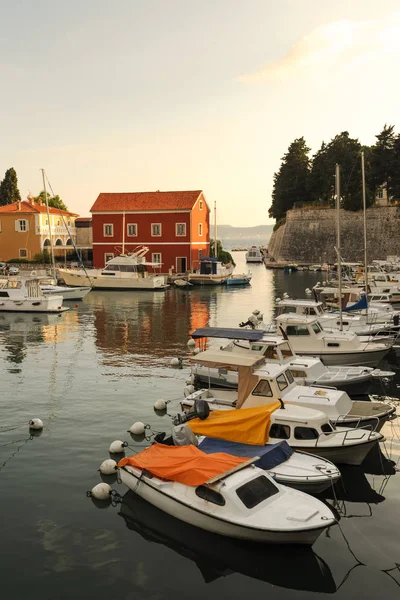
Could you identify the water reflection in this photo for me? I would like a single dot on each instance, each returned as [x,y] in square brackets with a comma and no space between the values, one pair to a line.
[216,556]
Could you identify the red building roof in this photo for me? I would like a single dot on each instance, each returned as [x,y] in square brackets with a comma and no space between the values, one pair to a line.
[142,201]
[25,206]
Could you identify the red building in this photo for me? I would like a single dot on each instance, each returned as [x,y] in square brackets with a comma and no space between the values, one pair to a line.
[175,226]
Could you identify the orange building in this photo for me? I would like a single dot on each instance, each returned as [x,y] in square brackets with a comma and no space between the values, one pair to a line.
[24,229]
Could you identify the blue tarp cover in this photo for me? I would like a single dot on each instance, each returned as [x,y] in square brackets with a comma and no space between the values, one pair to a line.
[360,305]
[270,455]
[209,259]
[231,334]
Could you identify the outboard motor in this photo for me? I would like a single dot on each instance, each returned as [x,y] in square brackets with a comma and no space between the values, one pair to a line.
[200,410]
[184,436]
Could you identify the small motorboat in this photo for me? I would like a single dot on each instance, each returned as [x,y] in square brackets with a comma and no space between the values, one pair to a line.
[182,283]
[21,294]
[68,293]
[239,279]
[224,494]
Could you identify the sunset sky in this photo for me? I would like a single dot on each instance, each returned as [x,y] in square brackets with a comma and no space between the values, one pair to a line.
[140,95]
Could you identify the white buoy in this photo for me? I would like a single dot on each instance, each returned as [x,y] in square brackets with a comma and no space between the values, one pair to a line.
[137,428]
[101,491]
[117,447]
[196,351]
[308,291]
[277,300]
[175,362]
[189,389]
[191,343]
[108,467]
[160,404]
[35,424]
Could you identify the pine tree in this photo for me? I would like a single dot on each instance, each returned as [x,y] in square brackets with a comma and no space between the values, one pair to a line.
[291,181]
[9,191]
[382,164]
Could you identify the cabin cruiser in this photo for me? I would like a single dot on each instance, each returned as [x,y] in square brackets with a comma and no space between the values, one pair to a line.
[261,383]
[308,338]
[306,370]
[254,255]
[68,293]
[21,294]
[224,494]
[211,272]
[123,272]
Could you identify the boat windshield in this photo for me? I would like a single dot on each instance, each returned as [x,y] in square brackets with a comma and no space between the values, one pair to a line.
[286,350]
[256,491]
[126,268]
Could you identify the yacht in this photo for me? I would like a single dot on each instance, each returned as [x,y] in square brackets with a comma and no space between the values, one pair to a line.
[254,255]
[21,294]
[123,272]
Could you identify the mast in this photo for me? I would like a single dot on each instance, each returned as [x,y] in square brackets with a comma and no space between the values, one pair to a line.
[365,228]
[215,230]
[123,232]
[53,264]
[338,250]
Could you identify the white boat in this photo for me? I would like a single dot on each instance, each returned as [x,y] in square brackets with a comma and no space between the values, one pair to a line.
[254,255]
[182,283]
[262,383]
[243,502]
[20,294]
[123,272]
[239,279]
[308,338]
[68,293]
[211,272]
[306,370]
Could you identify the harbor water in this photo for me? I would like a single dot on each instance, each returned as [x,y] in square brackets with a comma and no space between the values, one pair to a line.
[89,374]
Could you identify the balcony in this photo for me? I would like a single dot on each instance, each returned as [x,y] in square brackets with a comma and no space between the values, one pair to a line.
[55,231]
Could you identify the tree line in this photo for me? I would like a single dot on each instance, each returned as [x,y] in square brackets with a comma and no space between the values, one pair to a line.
[302,179]
[9,192]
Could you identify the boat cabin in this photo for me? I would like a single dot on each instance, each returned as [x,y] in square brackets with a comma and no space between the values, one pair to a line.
[306,334]
[210,266]
[300,307]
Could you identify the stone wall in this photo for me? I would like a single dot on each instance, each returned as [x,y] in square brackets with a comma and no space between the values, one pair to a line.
[309,235]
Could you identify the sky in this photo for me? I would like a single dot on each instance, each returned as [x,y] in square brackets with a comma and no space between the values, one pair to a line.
[179,94]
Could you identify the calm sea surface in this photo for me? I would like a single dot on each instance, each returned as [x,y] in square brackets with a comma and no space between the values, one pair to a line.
[89,374]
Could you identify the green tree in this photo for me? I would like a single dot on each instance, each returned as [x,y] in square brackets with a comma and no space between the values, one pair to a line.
[321,177]
[382,167]
[222,255]
[9,191]
[395,180]
[54,201]
[291,181]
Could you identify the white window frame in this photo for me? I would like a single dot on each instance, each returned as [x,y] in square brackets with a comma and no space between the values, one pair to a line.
[184,229]
[380,194]
[131,225]
[23,255]
[153,259]
[26,225]
[112,229]
[200,204]
[152,230]
[200,229]
[108,256]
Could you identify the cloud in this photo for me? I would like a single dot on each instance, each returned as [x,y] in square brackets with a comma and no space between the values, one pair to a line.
[336,46]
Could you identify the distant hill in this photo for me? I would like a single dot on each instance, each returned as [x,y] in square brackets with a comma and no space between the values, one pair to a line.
[226,232]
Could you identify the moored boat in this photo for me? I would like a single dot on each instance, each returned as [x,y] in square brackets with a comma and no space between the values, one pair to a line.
[20,294]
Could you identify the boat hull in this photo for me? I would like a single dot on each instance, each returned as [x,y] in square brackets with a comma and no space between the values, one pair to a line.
[353,454]
[68,293]
[207,279]
[213,524]
[33,305]
[156,283]
[368,358]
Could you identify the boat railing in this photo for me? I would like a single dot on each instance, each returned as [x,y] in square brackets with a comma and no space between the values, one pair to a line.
[359,424]
[346,433]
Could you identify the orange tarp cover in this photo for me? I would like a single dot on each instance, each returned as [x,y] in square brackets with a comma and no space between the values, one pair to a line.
[185,464]
[245,425]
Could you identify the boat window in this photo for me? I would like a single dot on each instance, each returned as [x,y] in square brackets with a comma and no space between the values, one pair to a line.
[326,428]
[280,432]
[297,330]
[210,495]
[289,376]
[286,350]
[4,294]
[262,389]
[343,323]
[270,352]
[316,327]
[287,309]
[298,373]
[281,381]
[333,344]
[305,433]
[256,491]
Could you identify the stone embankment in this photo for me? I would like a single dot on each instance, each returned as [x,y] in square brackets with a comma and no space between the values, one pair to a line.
[309,235]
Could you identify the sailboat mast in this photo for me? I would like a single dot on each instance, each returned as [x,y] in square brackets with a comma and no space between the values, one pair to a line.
[338,250]
[365,228]
[53,264]
[215,230]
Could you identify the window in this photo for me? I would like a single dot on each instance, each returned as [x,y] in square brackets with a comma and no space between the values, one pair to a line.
[21,225]
[200,229]
[132,229]
[23,253]
[279,432]
[180,229]
[286,350]
[256,491]
[316,327]
[210,495]
[326,428]
[156,258]
[201,205]
[282,383]
[380,193]
[69,223]
[305,433]
[289,376]
[262,389]
[58,223]
[108,256]
[298,373]
[297,330]
[156,229]
[270,352]
[108,230]
[200,253]
[333,345]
